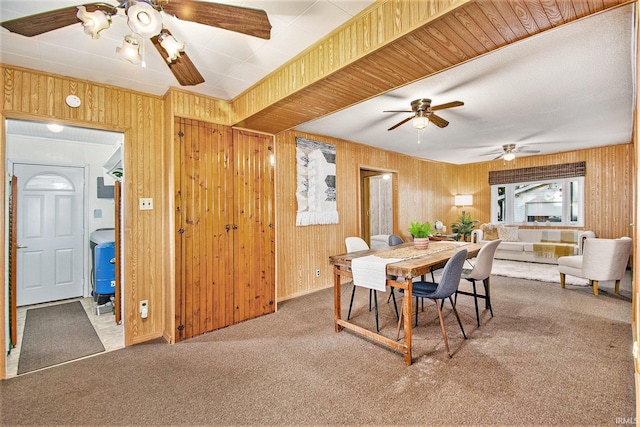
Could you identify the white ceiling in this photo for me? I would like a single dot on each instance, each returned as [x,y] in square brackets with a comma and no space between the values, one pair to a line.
[229,62]
[565,89]
[569,88]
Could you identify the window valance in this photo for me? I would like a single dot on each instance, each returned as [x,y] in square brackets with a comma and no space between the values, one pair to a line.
[538,173]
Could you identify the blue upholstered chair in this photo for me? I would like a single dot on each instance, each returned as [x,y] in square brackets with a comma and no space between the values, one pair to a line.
[438,292]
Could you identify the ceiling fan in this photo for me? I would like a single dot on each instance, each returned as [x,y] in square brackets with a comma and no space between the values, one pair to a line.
[423,113]
[509,152]
[144,18]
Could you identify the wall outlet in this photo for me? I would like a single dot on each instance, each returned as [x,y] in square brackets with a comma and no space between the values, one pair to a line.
[146,203]
[144,308]
[318,273]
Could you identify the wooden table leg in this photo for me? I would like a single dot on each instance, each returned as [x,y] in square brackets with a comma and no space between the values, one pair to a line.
[336,297]
[407,304]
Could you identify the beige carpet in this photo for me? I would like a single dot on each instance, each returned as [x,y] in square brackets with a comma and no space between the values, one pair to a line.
[549,357]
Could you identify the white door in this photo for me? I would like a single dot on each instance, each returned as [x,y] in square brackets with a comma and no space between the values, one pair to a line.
[50,233]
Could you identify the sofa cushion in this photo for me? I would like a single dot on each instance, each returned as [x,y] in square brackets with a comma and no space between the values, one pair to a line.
[508,234]
[489,232]
[512,246]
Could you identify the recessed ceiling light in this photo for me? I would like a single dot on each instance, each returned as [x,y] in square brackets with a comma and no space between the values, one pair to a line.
[54,127]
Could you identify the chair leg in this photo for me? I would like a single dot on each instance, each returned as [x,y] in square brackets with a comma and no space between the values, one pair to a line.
[370,291]
[594,283]
[475,300]
[617,289]
[417,309]
[353,293]
[562,278]
[487,293]
[375,299]
[444,331]
[455,311]
[395,304]
[399,324]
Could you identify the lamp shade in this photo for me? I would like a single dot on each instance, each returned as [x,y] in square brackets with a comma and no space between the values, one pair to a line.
[171,46]
[93,22]
[130,50]
[463,200]
[144,20]
[509,156]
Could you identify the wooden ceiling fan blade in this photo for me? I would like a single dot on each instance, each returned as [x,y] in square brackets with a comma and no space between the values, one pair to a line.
[183,69]
[253,22]
[44,22]
[499,157]
[398,111]
[400,123]
[438,121]
[447,105]
[527,151]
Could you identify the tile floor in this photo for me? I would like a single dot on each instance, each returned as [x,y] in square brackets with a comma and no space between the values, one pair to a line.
[111,334]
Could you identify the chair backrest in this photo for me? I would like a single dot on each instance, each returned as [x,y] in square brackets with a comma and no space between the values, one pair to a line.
[450,276]
[484,261]
[355,244]
[606,259]
[394,239]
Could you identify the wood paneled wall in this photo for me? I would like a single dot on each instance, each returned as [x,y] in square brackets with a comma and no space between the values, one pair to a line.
[608,186]
[426,191]
[31,95]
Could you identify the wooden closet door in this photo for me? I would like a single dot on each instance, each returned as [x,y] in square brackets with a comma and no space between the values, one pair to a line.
[254,247]
[204,224]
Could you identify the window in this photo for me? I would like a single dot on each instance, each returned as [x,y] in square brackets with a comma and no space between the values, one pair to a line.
[553,202]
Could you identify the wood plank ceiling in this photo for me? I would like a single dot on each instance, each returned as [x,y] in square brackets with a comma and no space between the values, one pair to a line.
[465,32]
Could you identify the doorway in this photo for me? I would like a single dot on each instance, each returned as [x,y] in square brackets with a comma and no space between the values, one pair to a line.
[379,195]
[79,149]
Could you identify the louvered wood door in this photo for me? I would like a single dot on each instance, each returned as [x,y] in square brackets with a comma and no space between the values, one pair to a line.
[254,247]
[204,221]
[225,266]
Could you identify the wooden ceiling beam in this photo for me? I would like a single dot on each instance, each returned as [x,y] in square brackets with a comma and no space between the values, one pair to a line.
[391,45]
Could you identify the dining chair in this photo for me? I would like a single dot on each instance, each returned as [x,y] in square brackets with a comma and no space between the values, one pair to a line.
[481,271]
[394,240]
[355,244]
[438,292]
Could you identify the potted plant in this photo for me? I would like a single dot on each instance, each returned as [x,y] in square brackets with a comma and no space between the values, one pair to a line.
[463,226]
[421,231]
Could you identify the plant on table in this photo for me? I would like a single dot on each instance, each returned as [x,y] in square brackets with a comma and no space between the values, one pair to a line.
[421,231]
[464,226]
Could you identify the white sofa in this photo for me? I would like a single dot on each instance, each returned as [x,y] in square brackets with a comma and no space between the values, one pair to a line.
[531,244]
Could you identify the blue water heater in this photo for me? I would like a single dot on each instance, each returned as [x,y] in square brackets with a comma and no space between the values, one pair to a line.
[105,269]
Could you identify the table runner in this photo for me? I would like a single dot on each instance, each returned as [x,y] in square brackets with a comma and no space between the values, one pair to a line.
[371,271]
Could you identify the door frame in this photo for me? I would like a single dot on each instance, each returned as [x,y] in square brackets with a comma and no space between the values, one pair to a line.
[4,287]
[365,172]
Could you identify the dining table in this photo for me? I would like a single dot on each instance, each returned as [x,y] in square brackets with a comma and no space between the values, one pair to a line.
[391,263]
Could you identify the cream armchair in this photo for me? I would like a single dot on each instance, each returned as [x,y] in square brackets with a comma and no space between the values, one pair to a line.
[601,259]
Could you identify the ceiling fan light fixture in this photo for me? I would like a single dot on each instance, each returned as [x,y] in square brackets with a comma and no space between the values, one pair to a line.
[420,122]
[144,20]
[171,46]
[130,50]
[93,22]
[509,156]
